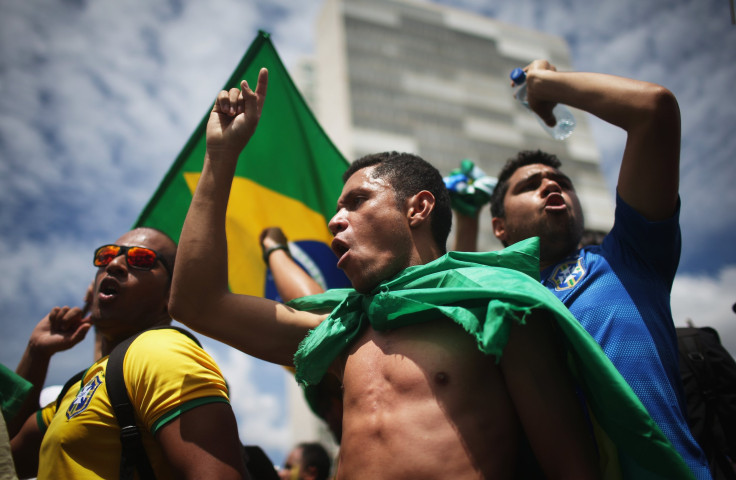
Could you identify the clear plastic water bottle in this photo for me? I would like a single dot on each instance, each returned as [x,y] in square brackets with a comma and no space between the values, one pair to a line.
[565,120]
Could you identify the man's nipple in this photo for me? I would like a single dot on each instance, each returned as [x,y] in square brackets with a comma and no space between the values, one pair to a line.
[441,378]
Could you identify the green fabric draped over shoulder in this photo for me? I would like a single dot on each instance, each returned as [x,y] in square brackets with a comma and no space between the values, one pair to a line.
[485,293]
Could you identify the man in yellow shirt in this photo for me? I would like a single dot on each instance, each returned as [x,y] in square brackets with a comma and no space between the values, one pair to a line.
[177,391]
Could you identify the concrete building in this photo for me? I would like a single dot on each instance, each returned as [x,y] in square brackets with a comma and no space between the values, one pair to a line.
[414,76]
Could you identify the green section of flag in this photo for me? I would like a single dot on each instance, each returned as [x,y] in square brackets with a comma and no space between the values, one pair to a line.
[289,153]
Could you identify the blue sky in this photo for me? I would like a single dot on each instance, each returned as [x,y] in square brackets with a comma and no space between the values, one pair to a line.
[97,99]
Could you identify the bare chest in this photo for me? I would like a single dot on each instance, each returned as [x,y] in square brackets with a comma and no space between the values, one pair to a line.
[436,355]
[423,394]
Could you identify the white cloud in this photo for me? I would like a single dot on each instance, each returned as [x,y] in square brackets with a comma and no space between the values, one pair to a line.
[708,301]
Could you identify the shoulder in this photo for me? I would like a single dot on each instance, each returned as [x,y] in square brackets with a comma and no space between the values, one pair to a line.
[167,373]
[627,214]
[162,359]
[161,340]
[166,351]
[642,244]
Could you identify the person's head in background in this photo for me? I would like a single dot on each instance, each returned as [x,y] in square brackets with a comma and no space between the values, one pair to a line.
[306,461]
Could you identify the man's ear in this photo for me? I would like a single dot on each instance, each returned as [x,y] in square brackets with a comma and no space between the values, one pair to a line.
[419,208]
[499,228]
[166,298]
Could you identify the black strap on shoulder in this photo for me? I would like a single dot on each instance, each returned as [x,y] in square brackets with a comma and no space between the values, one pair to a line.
[133,456]
[69,384]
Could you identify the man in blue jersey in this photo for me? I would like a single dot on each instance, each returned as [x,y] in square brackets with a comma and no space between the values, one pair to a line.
[619,290]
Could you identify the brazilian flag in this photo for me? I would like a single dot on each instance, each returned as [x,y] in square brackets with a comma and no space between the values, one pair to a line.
[289,175]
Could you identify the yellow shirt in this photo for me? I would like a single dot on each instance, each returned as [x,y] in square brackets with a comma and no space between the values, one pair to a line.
[166,374]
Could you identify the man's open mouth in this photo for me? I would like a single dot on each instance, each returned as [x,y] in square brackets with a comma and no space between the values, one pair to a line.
[109,287]
[554,200]
[339,248]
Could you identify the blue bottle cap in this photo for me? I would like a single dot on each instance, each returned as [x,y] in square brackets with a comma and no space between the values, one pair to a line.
[518,76]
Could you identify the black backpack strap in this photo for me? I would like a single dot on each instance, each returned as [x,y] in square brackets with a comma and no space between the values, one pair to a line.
[133,456]
[69,384]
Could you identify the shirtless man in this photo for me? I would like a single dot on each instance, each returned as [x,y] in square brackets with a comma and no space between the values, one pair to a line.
[420,401]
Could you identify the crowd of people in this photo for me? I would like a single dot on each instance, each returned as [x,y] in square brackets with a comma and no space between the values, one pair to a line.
[555,357]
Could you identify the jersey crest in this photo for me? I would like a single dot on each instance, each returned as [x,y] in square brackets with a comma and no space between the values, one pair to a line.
[81,402]
[567,274]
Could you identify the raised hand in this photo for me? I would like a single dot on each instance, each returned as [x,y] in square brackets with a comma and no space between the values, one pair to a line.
[235,115]
[60,330]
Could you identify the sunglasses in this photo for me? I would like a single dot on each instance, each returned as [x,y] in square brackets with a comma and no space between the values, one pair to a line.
[141,258]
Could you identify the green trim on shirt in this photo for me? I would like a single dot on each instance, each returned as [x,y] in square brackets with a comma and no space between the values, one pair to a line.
[184,407]
[42,427]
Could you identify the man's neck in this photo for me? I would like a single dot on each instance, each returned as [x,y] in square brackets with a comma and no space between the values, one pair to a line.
[109,343]
[425,252]
[545,263]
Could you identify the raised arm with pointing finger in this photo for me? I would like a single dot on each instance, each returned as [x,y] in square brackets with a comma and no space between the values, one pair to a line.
[200,296]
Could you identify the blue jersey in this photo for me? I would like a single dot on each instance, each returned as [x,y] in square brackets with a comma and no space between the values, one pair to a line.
[620,293]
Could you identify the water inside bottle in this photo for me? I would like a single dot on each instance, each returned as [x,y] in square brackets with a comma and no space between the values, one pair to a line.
[564,129]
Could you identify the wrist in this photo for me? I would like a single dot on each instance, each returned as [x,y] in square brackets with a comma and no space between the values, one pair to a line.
[279,246]
[221,154]
[37,352]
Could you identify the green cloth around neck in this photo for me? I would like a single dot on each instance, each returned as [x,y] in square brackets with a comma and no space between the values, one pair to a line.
[485,293]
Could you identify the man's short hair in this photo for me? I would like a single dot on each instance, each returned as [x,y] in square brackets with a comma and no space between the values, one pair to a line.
[408,175]
[522,159]
[315,455]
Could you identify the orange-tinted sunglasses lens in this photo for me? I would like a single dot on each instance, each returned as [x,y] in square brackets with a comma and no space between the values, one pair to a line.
[137,257]
[105,254]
